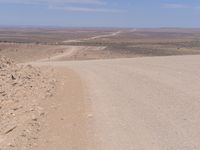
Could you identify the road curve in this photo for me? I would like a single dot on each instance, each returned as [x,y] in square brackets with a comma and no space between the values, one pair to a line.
[142,103]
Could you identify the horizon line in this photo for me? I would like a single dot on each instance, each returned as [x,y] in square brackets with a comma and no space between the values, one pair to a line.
[54,26]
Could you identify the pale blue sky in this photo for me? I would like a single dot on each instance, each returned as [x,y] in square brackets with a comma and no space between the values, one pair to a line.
[101,13]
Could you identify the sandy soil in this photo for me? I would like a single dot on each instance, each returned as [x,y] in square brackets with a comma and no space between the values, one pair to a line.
[21,53]
[141,103]
[65,126]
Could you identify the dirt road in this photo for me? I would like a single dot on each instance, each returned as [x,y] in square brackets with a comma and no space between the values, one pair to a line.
[95,37]
[140,104]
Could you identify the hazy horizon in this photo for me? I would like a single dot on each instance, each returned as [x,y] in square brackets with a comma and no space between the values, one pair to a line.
[57,26]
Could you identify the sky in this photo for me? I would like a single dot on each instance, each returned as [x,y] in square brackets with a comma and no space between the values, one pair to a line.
[101,13]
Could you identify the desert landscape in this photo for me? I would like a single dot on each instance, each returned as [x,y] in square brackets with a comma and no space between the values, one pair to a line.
[97,43]
[99,88]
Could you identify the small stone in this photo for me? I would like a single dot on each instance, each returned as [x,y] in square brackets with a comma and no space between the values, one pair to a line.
[11,145]
[34,118]
[42,113]
[10,129]
[32,109]
[89,115]
[13,78]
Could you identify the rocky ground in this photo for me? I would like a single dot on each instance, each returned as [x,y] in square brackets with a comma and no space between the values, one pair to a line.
[22,88]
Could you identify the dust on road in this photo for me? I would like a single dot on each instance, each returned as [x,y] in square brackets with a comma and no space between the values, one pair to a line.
[141,103]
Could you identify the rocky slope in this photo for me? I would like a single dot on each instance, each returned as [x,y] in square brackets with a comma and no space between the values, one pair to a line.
[22,88]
